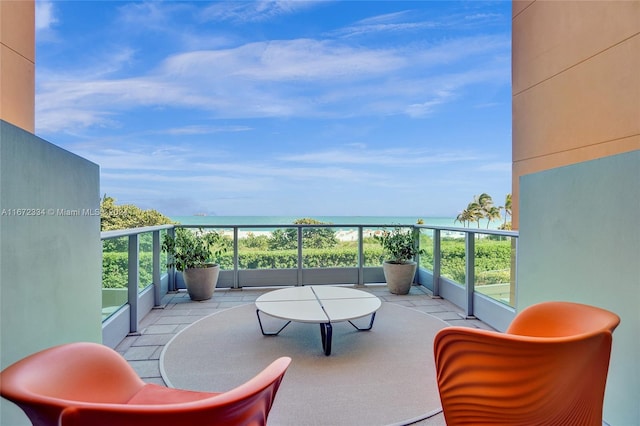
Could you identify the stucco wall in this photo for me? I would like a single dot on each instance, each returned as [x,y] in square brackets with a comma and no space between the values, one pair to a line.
[17,63]
[580,241]
[50,261]
[576,83]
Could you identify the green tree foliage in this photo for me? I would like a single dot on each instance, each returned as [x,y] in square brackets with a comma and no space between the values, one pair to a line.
[252,241]
[127,216]
[287,239]
[114,258]
[283,239]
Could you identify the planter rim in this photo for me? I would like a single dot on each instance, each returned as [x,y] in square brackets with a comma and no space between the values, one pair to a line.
[393,262]
[206,266]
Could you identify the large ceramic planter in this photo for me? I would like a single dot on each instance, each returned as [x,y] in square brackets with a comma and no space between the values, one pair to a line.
[201,282]
[399,276]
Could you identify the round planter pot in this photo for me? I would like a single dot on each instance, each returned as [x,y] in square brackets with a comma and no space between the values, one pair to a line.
[201,282]
[399,276]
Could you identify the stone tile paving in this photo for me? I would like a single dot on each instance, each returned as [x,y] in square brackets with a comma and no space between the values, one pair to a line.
[178,311]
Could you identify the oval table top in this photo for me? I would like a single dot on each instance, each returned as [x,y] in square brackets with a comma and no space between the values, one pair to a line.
[318,304]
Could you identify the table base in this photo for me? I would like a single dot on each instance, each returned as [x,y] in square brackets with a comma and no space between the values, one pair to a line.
[326,331]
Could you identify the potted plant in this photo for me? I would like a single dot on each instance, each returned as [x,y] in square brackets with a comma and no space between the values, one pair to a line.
[399,267]
[195,254]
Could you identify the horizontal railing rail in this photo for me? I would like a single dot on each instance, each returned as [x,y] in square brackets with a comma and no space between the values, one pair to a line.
[441,271]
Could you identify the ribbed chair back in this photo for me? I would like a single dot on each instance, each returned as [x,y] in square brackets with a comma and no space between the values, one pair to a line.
[549,368]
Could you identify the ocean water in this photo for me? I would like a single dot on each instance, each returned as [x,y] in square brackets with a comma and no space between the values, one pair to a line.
[337,220]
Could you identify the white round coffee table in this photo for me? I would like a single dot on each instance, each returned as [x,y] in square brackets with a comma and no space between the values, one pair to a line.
[322,305]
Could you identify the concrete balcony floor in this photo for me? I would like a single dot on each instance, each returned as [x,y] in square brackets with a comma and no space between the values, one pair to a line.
[178,311]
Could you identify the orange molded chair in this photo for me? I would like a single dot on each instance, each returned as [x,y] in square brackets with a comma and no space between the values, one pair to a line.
[92,385]
[549,368]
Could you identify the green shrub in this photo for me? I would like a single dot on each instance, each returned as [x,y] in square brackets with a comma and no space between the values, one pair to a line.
[252,241]
[493,277]
[115,270]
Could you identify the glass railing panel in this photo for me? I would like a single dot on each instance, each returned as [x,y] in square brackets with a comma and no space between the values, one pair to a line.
[452,255]
[115,272]
[426,245]
[329,247]
[145,260]
[163,255]
[224,245]
[495,267]
[267,248]
[371,248]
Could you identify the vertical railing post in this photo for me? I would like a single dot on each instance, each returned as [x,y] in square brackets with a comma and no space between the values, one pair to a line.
[360,255]
[299,282]
[437,262]
[171,270]
[236,259]
[470,257]
[132,284]
[415,232]
[157,285]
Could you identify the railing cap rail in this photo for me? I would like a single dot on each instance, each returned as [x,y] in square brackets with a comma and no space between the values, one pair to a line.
[360,225]
[133,231]
[298,225]
[105,235]
[470,230]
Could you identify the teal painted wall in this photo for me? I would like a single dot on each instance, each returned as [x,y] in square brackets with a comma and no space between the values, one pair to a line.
[50,264]
[580,241]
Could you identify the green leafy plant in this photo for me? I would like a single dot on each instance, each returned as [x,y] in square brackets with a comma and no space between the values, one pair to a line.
[193,249]
[399,245]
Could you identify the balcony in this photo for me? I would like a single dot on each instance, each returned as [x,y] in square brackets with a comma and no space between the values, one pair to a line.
[453,283]
[463,266]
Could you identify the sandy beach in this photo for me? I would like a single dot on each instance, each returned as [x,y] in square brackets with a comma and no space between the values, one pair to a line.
[343,235]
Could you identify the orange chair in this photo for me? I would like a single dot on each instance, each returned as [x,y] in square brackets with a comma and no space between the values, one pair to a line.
[90,384]
[549,368]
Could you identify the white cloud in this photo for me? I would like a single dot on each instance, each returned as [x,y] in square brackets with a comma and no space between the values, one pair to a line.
[391,22]
[254,11]
[203,130]
[152,15]
[396,157]
[175,101]
[45,17]
[424,109]
[284,60]
[270,79]
[169,162]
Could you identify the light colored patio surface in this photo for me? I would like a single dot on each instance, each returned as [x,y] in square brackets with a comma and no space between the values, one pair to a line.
[178,311]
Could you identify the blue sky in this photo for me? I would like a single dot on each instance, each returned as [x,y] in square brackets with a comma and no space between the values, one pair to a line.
[298,108]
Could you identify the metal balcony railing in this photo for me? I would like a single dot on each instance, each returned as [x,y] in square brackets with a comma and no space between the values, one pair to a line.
[472,268]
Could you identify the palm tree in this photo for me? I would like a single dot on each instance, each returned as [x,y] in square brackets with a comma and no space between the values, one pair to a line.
[507,208]
[482,205]
[482,208]
[463,217]
[475,211]
[492,214]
